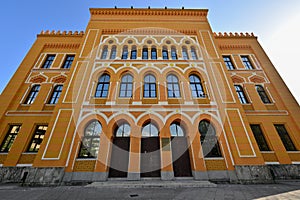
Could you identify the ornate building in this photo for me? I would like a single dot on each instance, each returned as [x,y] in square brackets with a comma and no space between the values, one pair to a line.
[147,93]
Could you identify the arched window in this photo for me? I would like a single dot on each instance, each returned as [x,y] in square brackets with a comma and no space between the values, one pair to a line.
[90,142]
[153,53]
[145,53]
[113,52]
[196,86]
[185,55]
[176,130]
[173,53]
[33,94]
[240,92]
[104,52]
[262,94]
[173,86]
[150,130]
[125,53]
[165,53]
[55,94]
[103,86]
[209,141]
[126,86]
[133,53]
[149,86]
[194,53]
[123,130]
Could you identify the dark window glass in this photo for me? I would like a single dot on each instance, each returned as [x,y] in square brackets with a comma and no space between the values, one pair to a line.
[113,52]
[32,95]
[241,94]
[145,53]
[104,52]
[10,138]
[262,94]
[123,130]
[125,53]
[149,86]
[209,140]
[103,86]
[259,137]
[246,62]
[173,53]
[194,53]
[153,53]
[68,62]
[37,138]
[228,62]
[48,62]
[196,87]
[173,86]
[285,138]
[165,54]
[90,141]
[176,130]
[55,94]
[150,130]
[185,55]
[133,53]
[126,86]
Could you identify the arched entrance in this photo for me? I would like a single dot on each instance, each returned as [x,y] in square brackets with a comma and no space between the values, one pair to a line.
[120,152]
[180,151]
[150,151]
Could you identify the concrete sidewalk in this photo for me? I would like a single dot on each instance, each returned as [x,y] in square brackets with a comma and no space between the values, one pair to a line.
[153,190]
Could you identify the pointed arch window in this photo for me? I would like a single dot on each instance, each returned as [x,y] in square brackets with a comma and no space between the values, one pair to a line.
[113,53]
[262,94]
[150,130]
[55,94]
[240,92]
[196,87]
[123,130]
[126,86]
[103,86]
[153,53]
[33,94]
[104,52]
[149,86]
[209,141]
[173,53]
[176,130]
[91,140]
[145,53]
[173,86]
[125,53]
[133,53]
[185,55]
[194,53]
[165,53]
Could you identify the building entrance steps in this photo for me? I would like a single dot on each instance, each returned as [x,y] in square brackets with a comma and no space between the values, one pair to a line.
[153,184]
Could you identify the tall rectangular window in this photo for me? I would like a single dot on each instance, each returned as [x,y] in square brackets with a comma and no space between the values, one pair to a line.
[48,62]
[32,95]
[246,62]
[55,94]
[285,138]
[37,138]
[68,62]
[228,62]
[10,138]
[241,94]
[259,137]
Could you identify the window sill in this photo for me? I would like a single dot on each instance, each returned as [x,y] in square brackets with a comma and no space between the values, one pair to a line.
[85,159]
[28,153]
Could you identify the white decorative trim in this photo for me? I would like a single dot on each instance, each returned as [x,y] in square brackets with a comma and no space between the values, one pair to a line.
[85,41]
[24,165]
[272,163]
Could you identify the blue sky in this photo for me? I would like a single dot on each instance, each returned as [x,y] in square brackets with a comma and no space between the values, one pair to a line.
[270,20]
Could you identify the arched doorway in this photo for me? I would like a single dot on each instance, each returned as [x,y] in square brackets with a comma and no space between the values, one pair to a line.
[120,152]
[180,151]
[150,151]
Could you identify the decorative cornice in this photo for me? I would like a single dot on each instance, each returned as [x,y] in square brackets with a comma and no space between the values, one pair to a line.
[61,33]
[61,46]
[235,46]
[234,35]
[149,12]
[154,31]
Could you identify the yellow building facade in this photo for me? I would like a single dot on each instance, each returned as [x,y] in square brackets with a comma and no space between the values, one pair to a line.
[147,93]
